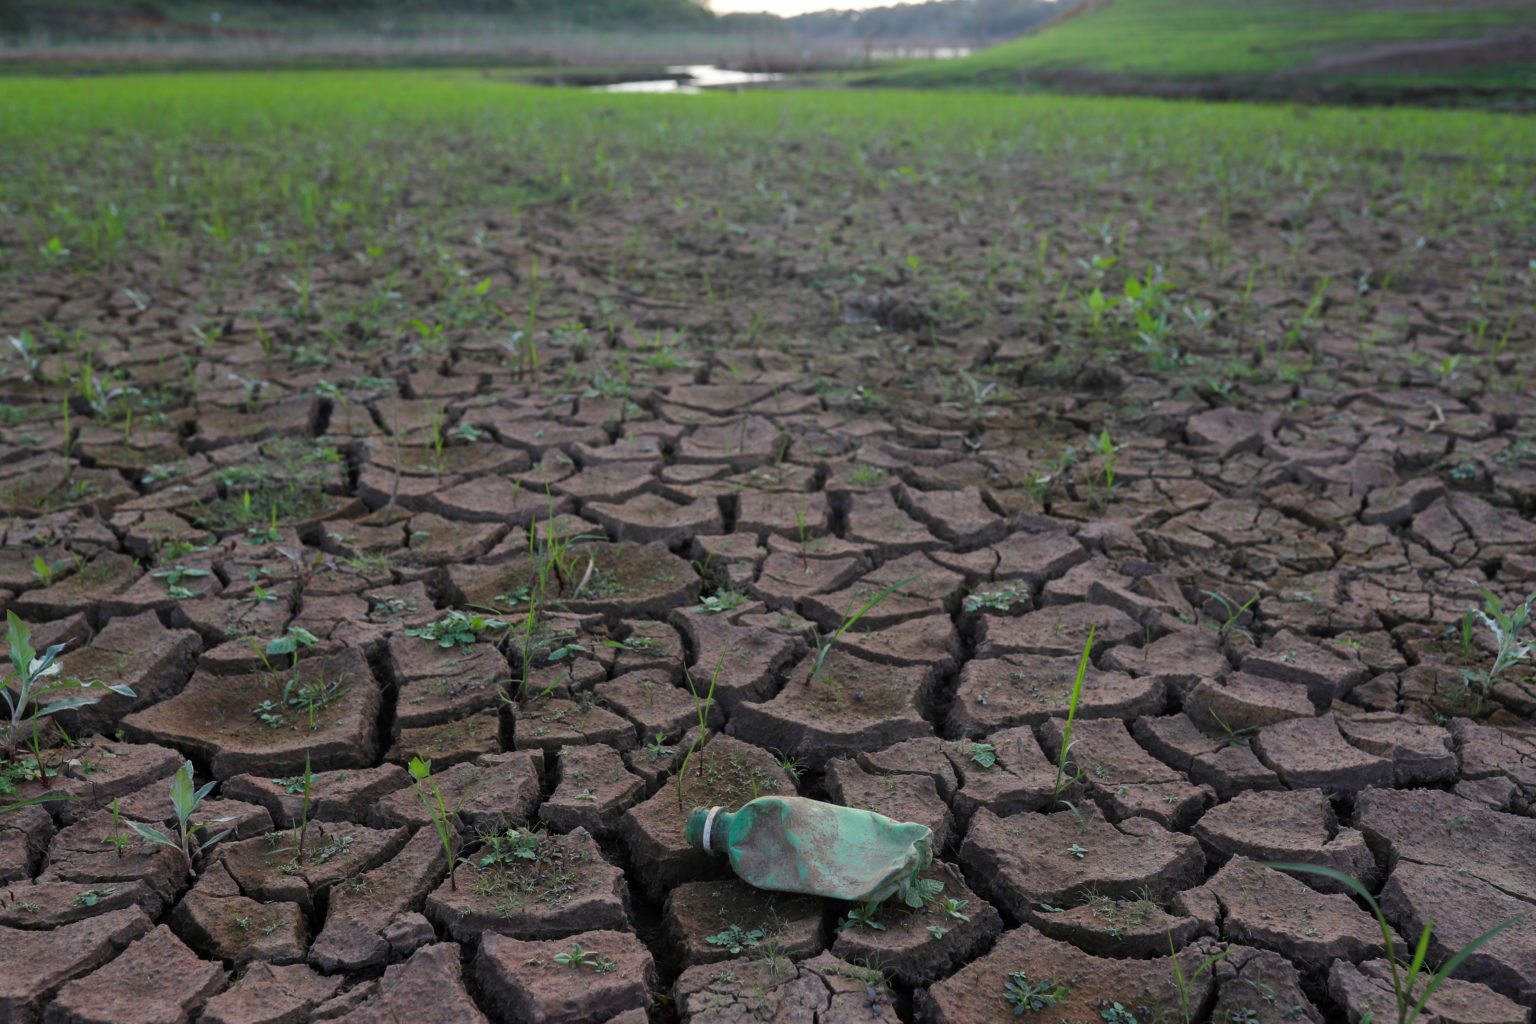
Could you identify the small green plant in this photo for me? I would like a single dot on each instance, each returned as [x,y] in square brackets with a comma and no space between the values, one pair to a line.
[185,801]
[467,433]
[258,595]
[292,641]
[1078,851]
[956,909]
[1506,627]
[735,939]
[116,837]
[793,768]
[509,847]
[1234,737]
[457,629]
[1098,305]
[46,572]
[1116,1013]
[1109,451]
[292,785]
[576,957]
[270,714]
[865,475]
[1233,612]
[91,897]
[1025,996]
[865,915]
[920,892]
[443,820]
[1302,324]
[1063,781]
[1001,597]
[1406,977]
[702,707]
[308,785]
[722,600]
[825,644]
[309,699]
[984,754]
[313,698]
[1183,983]
[28,689]
[656,748]
[177,575]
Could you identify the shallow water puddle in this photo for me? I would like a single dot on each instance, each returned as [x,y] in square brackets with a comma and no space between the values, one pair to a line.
[699,78]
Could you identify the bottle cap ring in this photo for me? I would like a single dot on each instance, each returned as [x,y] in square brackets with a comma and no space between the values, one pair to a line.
[709,824]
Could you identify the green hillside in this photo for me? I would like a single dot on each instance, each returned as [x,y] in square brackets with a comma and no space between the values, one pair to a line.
[1264,45]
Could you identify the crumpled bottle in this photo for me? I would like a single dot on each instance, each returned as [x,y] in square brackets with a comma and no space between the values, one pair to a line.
[791,844]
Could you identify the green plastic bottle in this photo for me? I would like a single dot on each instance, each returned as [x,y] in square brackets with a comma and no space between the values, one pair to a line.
[791,844]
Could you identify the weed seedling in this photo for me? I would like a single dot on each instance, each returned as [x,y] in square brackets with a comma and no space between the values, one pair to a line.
[1183,983]
[1024,996]
[45,572]
[920,892]
[1063,781]
[1406,977]
[1001,597]
[1506,627]
[292,641]
[1234,737]
[442,818]
[1116,1013]
[117,838]
[955,909]
[1109,451]
[578,957]
[1234,612]
[701,707]
[794,769]
[184,801]
[510,846]
[310,700]
[28,690]
[864,915]
[457,629]
[175,576]
[308,784]
[722,600]
[984,754]
[825,644]
[91,897]
[735,939]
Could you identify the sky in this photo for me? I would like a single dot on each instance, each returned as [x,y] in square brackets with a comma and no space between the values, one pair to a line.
[789,7]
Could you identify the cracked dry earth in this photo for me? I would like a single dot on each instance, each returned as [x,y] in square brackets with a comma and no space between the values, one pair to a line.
[720,521]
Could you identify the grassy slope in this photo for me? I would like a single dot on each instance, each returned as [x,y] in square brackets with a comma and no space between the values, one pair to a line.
[1223,38]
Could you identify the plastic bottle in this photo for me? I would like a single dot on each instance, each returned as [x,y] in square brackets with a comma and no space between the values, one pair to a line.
[791,844]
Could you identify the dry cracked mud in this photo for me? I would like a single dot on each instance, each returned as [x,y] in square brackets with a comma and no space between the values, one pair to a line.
[1274,573]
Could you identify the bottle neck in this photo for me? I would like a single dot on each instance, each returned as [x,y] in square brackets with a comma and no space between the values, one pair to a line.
[708,828]
[720,831]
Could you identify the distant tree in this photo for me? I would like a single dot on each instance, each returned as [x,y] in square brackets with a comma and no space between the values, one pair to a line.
[949,20]
[629,12]
[13,20]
